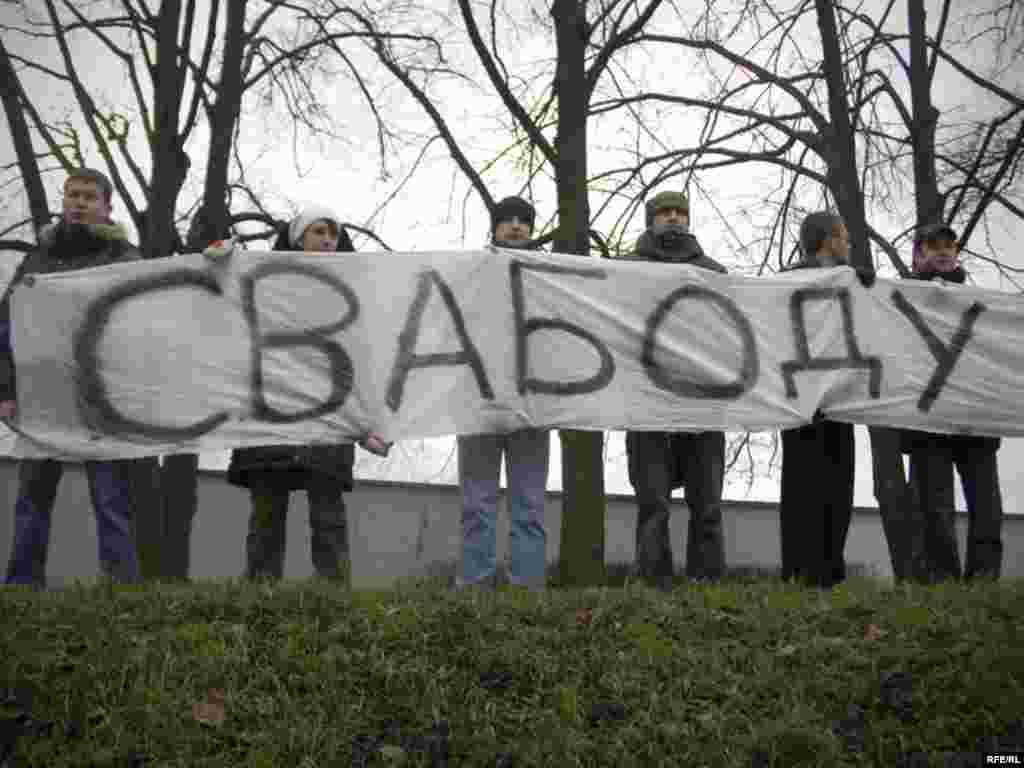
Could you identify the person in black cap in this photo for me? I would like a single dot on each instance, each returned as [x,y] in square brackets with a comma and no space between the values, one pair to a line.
[658,461]
[526,454]
[933,456]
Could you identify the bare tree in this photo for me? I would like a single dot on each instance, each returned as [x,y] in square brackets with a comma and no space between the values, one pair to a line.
[175,82]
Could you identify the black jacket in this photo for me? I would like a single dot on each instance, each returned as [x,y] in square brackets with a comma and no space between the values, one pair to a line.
[62,247]
[290,467]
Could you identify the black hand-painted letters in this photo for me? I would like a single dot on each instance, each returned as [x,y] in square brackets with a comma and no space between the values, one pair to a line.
[525,327]
[945,356]
[340,362]
[407,359]
[749,369]
[93,399]
[804,362]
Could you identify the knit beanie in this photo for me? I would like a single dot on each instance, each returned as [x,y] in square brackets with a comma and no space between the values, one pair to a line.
[302,222]
[662,200]
[510,207]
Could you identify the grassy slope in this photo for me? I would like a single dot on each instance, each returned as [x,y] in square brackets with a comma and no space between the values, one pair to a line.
[707,674]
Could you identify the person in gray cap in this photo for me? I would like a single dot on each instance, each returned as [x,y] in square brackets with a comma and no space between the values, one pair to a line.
[933,456]
[526,453]
[658,462]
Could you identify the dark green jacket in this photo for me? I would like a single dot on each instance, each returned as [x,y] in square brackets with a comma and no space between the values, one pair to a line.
[690,253]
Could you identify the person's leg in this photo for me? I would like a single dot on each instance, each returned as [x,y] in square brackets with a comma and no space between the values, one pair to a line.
[931,470]
[526,464]
[147,506]
[109,486]
[180,489]
[902,530]
[328,527]
[265,542]
[802,531]
[479,473]
[37,490]
[840,453]
[979,473]
[650,471]
[705,468]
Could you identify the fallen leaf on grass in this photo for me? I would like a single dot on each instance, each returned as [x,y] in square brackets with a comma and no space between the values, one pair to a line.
[584,617]
[873,632]
[211,711]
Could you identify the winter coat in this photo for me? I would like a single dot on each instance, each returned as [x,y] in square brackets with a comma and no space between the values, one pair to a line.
[961,447]
[62,247]
[690,253]
[290,467]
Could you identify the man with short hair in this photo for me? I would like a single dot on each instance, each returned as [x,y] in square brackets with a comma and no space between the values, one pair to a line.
[933,456]
[658,462]
[816,497]
[84,237]
[526,454]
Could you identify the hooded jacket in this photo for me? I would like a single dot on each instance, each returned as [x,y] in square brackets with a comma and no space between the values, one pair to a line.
[647,249]
[63,247]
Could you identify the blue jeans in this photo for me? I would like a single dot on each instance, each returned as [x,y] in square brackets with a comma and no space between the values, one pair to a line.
[526,465]
[37,489]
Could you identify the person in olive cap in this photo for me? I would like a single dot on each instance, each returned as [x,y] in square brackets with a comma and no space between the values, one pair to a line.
[658,462]
[526,454]
[933,456]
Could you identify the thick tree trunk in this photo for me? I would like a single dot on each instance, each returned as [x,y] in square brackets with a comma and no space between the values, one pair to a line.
[843,179]
[925,119]
[11,95]
[583,512]
[179,476]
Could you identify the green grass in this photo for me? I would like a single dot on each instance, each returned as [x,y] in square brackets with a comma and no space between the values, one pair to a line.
[707,674]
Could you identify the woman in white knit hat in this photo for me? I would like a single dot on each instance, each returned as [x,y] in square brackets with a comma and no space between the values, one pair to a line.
[271,473]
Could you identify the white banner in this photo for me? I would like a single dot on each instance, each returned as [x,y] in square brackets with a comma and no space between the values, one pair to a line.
[179,355]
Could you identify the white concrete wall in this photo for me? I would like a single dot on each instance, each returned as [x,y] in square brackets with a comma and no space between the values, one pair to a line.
[399,529]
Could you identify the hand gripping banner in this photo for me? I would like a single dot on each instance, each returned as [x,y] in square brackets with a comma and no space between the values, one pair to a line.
[183,355]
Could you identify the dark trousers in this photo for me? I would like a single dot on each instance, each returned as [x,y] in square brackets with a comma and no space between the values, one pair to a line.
[265,542]
[932,463]
[816,501]
[659,462]
[897,505]
[38,480]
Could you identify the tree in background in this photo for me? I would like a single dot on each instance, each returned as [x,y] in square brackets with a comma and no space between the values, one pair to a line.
[179,84]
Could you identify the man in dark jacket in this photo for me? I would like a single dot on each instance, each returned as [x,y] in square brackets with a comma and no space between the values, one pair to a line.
[84,237]
[816,500]
[933,456]
[658,462]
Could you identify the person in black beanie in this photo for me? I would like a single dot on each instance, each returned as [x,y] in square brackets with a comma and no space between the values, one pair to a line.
[526,454]
[933,456]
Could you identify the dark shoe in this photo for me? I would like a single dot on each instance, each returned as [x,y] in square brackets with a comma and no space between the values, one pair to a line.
[851,728]
[897,692]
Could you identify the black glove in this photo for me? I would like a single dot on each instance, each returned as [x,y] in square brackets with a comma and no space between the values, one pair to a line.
[866,276]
